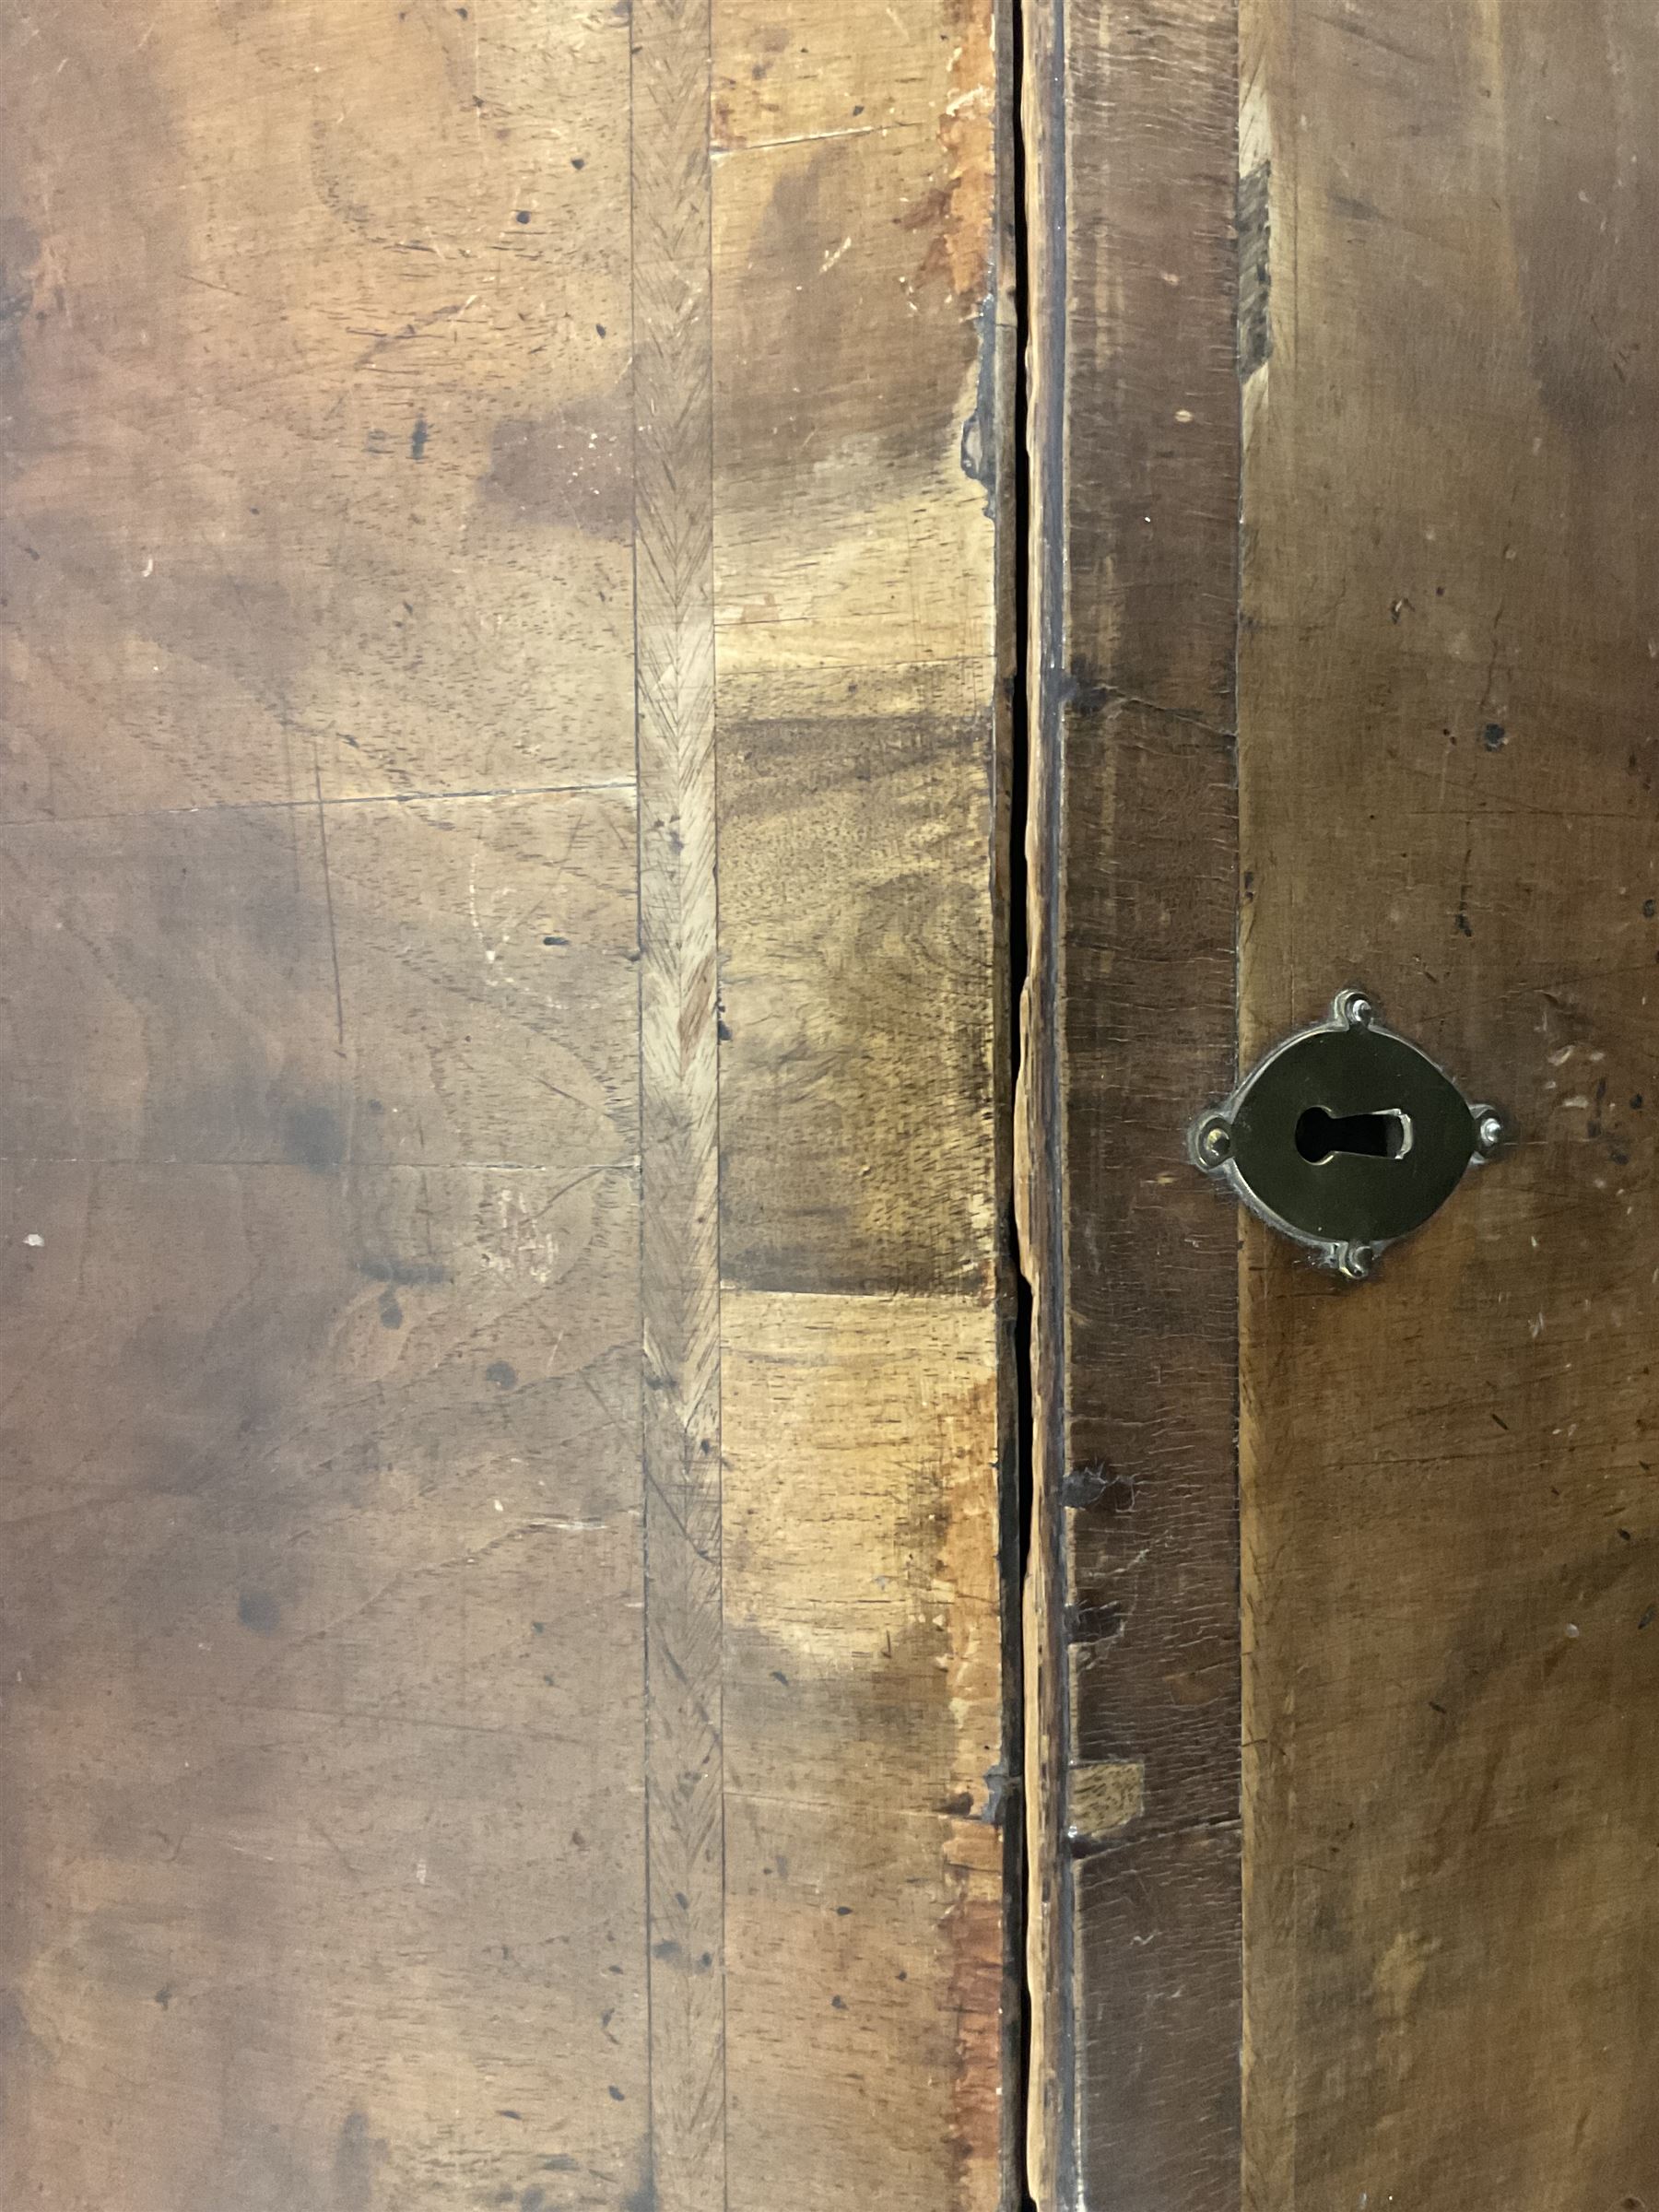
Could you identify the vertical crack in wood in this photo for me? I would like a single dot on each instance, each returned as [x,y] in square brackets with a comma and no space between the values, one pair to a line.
[1012,892]
[1051,2118]
[673,620]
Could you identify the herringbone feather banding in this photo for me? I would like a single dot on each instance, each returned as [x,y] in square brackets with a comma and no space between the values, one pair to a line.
[679,1270]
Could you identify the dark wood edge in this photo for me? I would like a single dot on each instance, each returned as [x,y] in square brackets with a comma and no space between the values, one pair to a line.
[1133,1630]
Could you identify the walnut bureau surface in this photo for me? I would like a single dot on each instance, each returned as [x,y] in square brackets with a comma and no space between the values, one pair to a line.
[675,681]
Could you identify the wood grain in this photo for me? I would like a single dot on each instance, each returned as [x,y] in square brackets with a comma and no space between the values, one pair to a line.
[1134,1624]
[1444,322]
[446,1759]
[1447,790]
[866,1884]
[856,281]
[320,1116]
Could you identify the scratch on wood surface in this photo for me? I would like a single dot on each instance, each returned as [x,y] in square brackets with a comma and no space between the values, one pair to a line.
[334,934]
[1255,320]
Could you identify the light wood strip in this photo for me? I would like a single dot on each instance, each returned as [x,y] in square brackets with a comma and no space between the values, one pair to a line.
[679,1088]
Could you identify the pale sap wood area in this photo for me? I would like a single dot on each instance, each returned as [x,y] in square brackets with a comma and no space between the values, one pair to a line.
[501,1672]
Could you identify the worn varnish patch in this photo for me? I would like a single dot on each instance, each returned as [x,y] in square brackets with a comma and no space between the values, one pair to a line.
[1104,1796]
[857,1022]
[864,1670]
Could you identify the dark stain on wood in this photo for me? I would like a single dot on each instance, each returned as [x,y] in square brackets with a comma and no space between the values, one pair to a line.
[568,469]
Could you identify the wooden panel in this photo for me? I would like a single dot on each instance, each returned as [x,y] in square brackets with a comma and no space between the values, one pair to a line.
[1134,1635]
[323,1511]
[503,1652]
[855,282]
[1444,328]
[854,1593]
[1448,794]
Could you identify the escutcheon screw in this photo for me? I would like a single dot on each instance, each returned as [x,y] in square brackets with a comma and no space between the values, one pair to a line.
[1214,1142]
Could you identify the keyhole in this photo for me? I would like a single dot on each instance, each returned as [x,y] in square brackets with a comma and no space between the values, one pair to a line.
[1320,1135]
